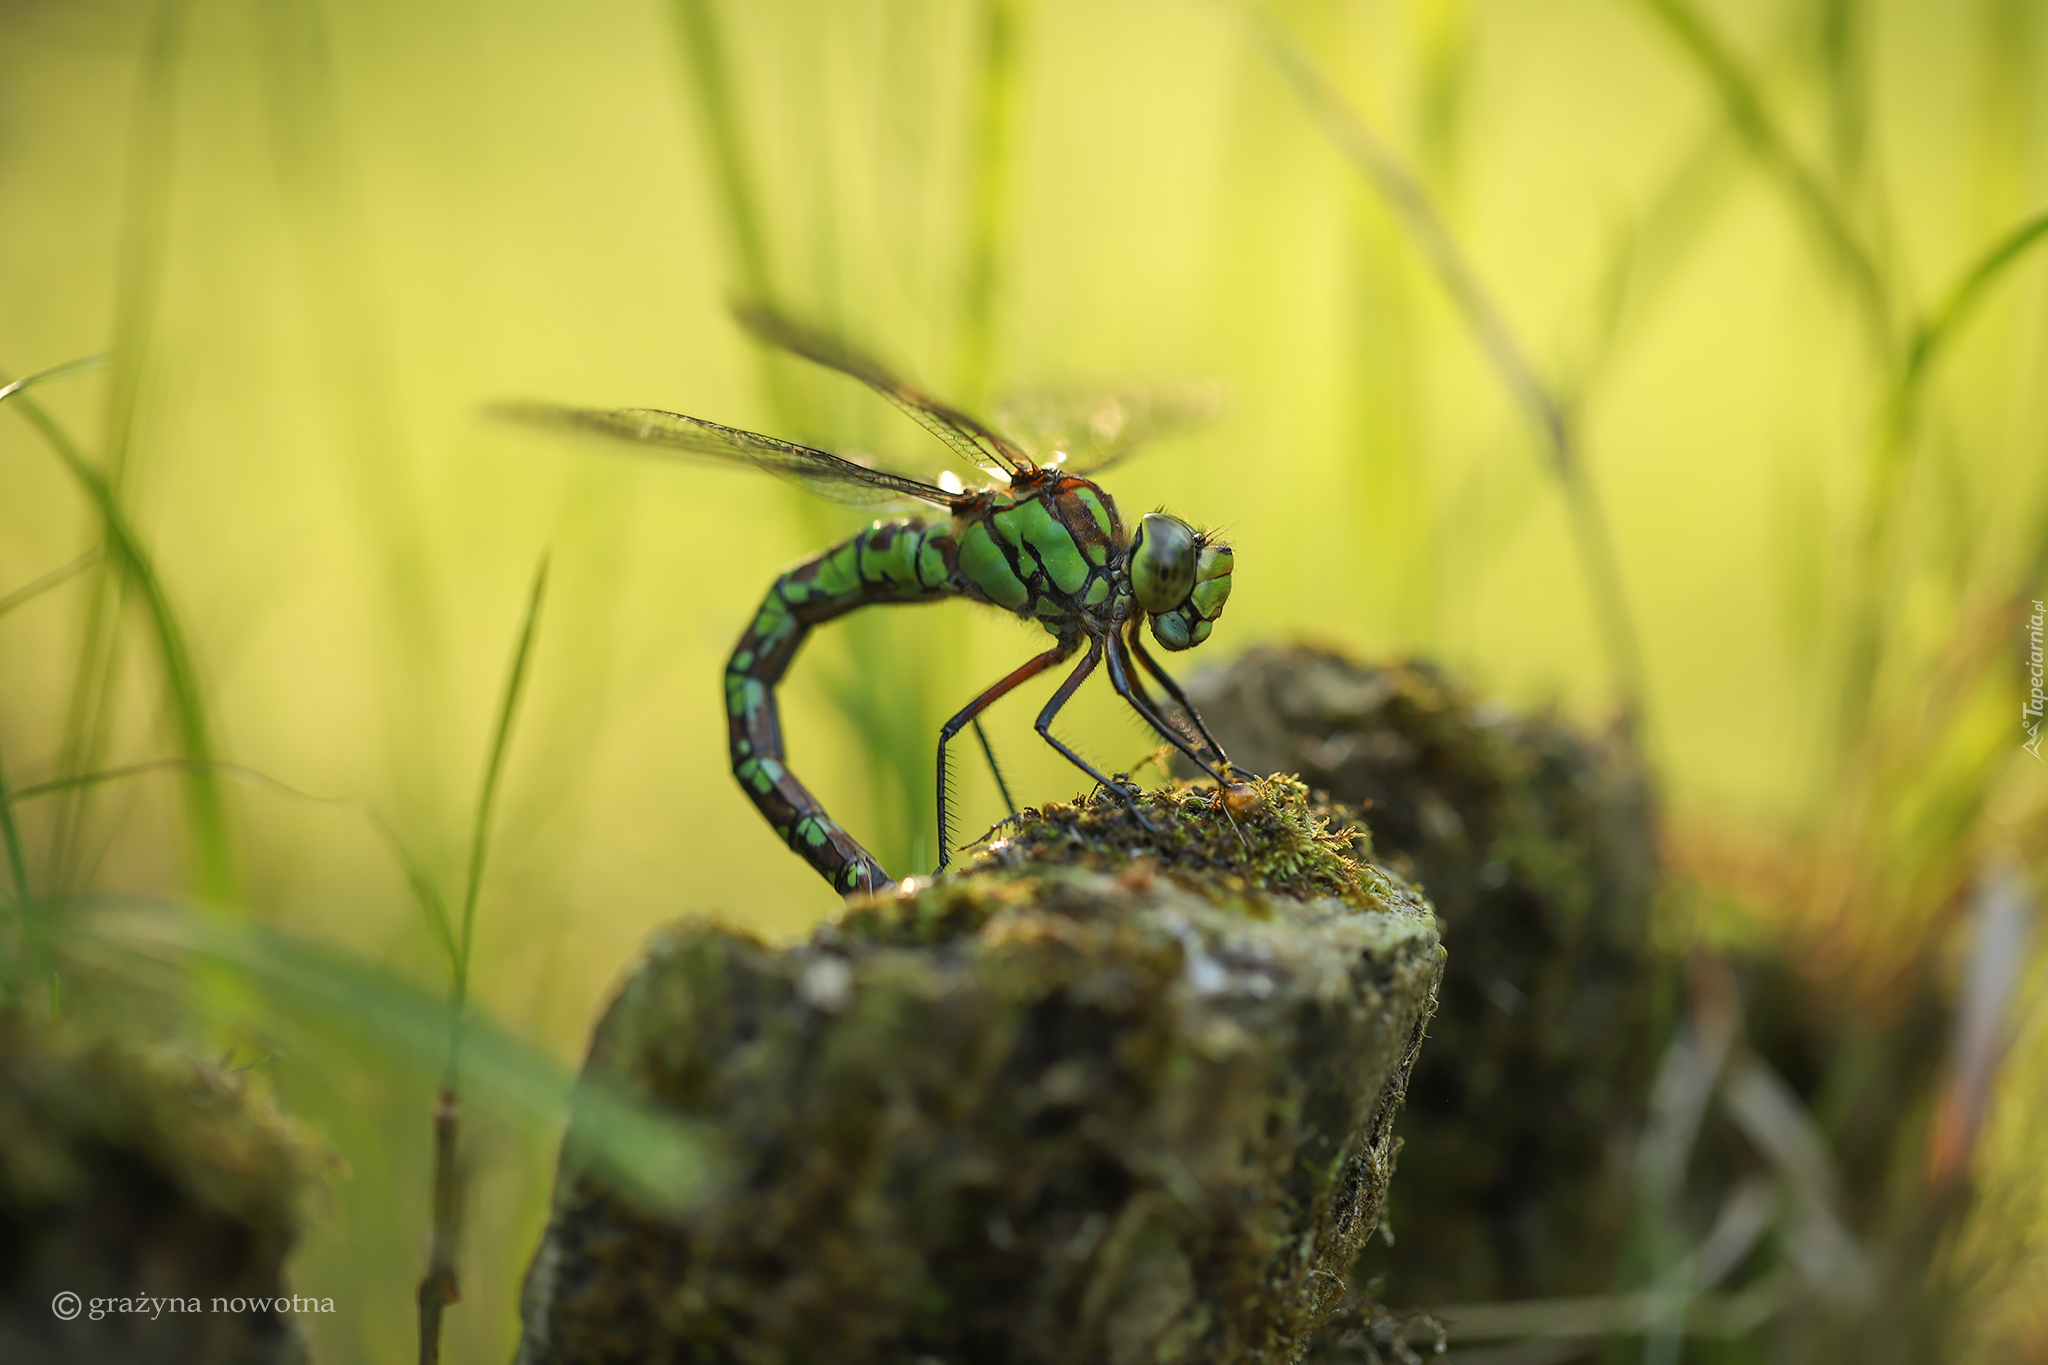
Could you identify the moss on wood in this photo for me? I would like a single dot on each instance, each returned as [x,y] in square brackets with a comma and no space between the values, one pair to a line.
[130,1174]
[1535,843]
[1106,1093]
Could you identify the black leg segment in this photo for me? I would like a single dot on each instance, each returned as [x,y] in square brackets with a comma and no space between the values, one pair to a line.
[1052,709]
[1030,669]
[1166,681]
[1127,687]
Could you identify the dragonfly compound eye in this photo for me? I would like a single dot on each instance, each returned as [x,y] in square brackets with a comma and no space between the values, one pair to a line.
[1162,562]
[1188,624]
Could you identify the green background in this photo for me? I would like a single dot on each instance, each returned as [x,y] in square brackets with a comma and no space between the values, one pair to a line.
[322,238]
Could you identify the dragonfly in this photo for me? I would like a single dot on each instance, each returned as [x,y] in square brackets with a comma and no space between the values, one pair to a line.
[1045,544]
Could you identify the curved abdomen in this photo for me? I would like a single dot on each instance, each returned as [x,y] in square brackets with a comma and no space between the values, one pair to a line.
[891,561]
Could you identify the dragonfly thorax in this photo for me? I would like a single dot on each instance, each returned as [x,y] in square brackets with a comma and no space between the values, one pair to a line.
[1049,547]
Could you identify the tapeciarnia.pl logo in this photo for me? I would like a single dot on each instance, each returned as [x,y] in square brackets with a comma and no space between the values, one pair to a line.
[2031,708]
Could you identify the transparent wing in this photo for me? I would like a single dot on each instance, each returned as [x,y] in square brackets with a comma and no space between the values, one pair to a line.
[1095,430]
[827,475]
[965,436]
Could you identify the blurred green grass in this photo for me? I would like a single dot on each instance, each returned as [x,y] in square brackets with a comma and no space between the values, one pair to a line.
[322,238]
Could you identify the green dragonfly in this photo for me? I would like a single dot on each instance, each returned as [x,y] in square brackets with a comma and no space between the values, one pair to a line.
[1048,546]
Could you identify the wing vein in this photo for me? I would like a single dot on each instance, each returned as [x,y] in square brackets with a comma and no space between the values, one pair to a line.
[820,471]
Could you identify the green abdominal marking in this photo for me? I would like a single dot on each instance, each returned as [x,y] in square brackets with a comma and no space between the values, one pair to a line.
[890,561]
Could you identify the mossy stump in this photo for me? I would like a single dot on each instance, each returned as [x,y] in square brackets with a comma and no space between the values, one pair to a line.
[148,1185]
[1103,1094]
[1536,844]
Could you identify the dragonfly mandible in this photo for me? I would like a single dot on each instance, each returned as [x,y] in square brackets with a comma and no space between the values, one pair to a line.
[1048,546]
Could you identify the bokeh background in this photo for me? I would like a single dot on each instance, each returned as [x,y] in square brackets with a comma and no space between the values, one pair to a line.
[1773,269]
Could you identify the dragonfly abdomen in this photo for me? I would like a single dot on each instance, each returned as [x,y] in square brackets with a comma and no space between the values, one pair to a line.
[889,562]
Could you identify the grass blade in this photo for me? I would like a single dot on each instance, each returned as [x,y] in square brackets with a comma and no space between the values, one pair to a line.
[439,1287]
[419,879]
[657,1156]
[144,241]
[1931,336]
[1418,217]
[994,119]
[145,230]
[494,768]
[883,704]
[212,875]
[34,941]
[55,578]
[654,1151]
[704,56]
[1746,111]
[69,369]
[1891,464]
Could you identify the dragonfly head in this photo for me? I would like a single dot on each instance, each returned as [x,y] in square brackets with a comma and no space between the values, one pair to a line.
[1180,578]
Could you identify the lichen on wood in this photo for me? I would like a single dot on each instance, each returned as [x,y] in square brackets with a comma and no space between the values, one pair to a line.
[1111,1091]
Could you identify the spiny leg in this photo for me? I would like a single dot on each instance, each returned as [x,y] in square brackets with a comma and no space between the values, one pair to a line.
[1173,690]
[1023,673]
[1060,698]
[995,769]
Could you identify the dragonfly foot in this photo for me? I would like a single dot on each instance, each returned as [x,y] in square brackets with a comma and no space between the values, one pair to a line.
[1128,792]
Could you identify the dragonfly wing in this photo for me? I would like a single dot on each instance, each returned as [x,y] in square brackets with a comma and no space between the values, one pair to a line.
[970,439]
[828,475]
[1095,430]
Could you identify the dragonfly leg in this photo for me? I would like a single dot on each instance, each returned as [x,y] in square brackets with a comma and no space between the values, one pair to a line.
[1132,691]
[995,769]
[1060,698]
[1173,690]
[969,713]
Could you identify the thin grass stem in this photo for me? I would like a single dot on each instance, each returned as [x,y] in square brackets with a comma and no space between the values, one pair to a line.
[418,878]
[1743,104]
[321,189]
[144,241]
[1932,335]
[33,937]
[704,56]
[212,875]
[145,226]
[440,1287]
[494,769]
[17,864]
[988,201]
[1892,462]
[1427,232]
[10,830]
[55,578]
